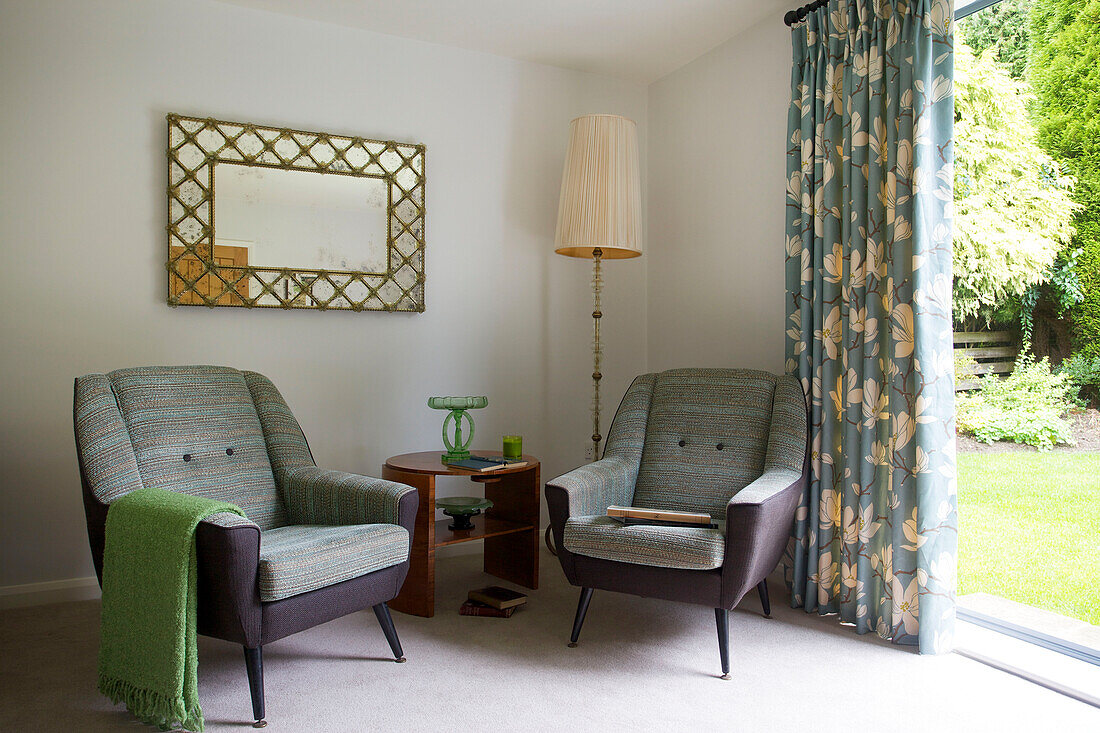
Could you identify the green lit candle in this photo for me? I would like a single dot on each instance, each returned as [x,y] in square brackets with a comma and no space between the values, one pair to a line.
[513,446]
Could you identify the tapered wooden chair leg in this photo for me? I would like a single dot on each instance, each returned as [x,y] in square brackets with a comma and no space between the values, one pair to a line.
[762,589]
[254,662]
[578,621]
[382,611]
[722,617]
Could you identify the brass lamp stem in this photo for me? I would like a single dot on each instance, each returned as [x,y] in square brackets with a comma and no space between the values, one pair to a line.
[597,354]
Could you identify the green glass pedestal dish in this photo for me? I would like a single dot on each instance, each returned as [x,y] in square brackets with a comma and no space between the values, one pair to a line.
[458,448]
[461,508]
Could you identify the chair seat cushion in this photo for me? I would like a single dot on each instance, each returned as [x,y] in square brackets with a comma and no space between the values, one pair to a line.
[302,557]
[686,548]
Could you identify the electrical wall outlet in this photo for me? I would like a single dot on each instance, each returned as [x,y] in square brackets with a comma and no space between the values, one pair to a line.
[590,453]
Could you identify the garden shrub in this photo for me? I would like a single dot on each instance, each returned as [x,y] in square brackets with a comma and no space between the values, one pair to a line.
[1083,372]
[1025,407]
[1005,28]
[1086,314]
[1064,72]
[1062,290]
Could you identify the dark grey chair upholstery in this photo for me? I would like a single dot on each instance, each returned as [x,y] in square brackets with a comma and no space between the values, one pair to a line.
[315,545]
[729,442]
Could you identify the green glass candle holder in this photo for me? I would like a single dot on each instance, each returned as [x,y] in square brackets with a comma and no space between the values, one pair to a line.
[458,447]
[513,447]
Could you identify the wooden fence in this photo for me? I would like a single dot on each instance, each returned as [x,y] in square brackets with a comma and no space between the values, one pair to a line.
[994,352]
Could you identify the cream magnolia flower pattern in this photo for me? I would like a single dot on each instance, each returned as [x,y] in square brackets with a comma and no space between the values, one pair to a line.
[868,247]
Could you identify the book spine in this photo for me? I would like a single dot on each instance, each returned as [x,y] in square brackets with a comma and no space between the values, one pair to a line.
[496,602]
[638,522]
[472,610]
[617,512]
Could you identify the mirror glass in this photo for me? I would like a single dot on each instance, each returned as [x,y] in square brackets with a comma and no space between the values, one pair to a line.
[314,220]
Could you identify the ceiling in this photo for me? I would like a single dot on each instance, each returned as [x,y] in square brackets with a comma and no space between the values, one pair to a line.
[640,40]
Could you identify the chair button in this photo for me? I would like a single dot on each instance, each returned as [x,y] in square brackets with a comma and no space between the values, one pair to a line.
[186,456]
[229,451]
[720,446]
[682,444]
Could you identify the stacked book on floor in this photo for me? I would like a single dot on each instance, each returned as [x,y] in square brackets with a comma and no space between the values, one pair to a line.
[492,601]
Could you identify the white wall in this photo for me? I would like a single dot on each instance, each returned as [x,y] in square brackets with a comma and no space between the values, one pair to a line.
[85,87]
[717,140]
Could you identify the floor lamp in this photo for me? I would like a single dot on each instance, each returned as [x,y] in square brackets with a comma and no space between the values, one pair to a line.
[599,213]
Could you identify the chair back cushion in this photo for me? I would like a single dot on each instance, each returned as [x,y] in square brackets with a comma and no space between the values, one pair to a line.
[706,438]
[287,448]
[195,429]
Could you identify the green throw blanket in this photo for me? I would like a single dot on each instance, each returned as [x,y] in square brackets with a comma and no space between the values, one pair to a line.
[148,656]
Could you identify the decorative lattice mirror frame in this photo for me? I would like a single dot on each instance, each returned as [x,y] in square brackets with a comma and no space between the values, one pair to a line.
[197,145]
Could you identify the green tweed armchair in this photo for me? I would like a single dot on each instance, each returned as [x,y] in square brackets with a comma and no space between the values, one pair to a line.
[315,545]
[728,442]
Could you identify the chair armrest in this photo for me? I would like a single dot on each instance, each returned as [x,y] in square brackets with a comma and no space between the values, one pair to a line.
[316,496]
[229,520]
[227,547]
[758,526]
[764,488]
[587,490]
[594,487]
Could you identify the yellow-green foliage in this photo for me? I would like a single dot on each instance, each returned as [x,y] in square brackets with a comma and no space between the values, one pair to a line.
[964,366]
[1012,203]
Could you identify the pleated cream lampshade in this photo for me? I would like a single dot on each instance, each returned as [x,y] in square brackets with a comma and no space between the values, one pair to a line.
[601,190]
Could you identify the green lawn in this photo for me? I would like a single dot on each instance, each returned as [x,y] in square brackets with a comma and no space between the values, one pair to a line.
[1029,529]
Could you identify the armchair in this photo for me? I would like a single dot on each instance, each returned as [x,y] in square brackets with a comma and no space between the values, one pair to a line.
[729,442]
[315,545]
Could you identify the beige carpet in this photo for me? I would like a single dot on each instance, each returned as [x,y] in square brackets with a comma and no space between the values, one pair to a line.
[642,665]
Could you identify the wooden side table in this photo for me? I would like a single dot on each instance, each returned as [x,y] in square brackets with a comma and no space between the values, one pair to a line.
[510,529]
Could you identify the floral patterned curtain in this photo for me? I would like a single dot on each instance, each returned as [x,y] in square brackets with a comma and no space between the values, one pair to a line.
[869,315]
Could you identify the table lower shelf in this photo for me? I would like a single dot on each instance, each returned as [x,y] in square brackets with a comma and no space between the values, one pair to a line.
[484,526]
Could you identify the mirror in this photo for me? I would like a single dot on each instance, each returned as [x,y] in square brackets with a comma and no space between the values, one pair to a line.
[269,217]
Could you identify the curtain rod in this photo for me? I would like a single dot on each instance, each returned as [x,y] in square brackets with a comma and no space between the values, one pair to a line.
[798,14]
[961,11]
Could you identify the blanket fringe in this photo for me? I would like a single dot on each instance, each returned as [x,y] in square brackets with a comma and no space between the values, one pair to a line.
[151,706]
